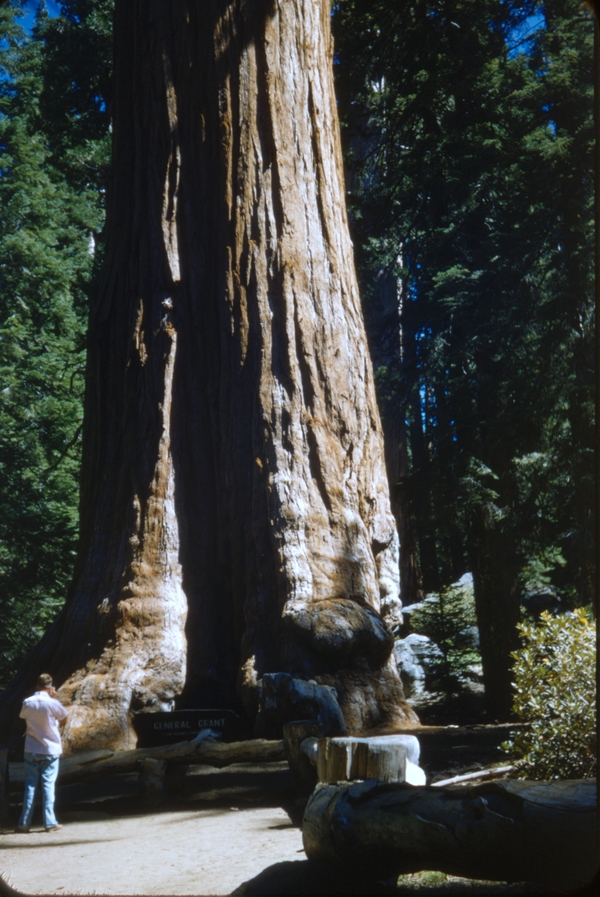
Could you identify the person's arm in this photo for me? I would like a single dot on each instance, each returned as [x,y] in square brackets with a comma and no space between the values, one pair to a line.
[60,715]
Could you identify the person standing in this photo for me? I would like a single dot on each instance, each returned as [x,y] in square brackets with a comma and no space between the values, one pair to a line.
[43,714]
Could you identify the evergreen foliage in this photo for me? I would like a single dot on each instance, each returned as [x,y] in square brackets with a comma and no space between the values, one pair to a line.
[45,270]
[555,690]
[469,143]
[449,620]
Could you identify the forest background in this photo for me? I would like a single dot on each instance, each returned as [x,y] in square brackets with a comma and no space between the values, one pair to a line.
[469,149]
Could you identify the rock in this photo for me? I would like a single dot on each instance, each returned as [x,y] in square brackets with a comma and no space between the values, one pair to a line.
[468,638]
[541,598]
[416,657]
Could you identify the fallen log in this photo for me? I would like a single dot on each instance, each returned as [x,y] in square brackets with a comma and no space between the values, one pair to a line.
[509,831]
[245,782]
[93,764]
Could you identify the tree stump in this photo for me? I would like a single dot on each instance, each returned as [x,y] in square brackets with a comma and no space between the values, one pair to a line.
[512,831]
[386,758]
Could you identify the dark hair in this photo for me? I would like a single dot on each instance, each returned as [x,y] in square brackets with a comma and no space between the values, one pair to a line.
[44,681]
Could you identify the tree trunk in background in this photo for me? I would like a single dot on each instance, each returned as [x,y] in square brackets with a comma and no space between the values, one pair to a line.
[493,557]
[385,329]
[422,464]
[234,494]
[411,582]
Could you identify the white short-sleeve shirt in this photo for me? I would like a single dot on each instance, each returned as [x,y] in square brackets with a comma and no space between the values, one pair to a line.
[42,715]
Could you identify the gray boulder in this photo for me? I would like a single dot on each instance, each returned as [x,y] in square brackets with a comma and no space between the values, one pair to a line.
[468,638]
[416,657]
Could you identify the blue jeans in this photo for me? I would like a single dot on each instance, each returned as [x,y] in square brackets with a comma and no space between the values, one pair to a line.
[44,767]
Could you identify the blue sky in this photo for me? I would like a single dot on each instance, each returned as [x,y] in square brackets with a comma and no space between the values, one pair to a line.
[32,5]
[519,37]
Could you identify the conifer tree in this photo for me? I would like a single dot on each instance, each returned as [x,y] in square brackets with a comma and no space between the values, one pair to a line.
[45,266]
[469,139]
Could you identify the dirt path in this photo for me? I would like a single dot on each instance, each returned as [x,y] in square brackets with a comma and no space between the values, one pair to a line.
[108,846]
[199,851]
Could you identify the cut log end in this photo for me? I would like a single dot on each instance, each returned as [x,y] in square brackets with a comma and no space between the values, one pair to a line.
[391,758]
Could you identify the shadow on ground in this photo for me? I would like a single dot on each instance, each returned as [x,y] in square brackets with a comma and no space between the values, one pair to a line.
[306,878]
[309,878]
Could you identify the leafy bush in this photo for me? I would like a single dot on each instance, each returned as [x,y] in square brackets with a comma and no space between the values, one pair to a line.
[449,620]
[555,683]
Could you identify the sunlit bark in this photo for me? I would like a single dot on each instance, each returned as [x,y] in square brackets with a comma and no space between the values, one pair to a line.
[234,495]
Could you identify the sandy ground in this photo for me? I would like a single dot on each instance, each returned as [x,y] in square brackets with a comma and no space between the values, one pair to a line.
[199,851]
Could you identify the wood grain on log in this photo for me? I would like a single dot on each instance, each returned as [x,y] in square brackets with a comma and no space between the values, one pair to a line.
[240,781]
[382,757]
[504,831]
[94,764]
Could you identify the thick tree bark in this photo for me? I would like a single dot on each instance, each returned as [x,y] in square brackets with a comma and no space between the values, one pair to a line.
[234,495]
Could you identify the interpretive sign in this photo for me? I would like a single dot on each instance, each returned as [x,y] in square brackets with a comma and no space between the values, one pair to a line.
[156,729]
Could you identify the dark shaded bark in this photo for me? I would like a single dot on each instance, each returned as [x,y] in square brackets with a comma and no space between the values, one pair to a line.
[235,513]
[411,579]
[494,562]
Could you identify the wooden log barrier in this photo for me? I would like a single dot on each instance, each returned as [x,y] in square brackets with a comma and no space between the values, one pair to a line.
[509,831]
[93,764]
[157,767]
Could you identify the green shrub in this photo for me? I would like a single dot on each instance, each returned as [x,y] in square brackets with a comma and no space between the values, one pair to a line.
[555,690]
[447,619]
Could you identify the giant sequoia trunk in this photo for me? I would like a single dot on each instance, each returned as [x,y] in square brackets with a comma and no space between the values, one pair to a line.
[235,514]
